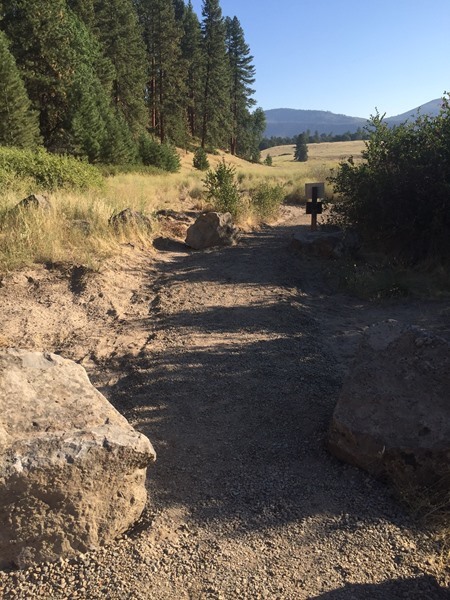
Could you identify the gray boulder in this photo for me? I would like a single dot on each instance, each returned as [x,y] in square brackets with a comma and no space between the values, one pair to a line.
[393,414]
[72,469]
[212,229]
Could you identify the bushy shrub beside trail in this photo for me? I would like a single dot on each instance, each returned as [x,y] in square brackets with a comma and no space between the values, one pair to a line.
[399,195]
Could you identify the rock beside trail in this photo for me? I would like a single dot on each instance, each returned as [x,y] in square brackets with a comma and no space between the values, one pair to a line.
[72,469]
[129,217]
[212,229]
[35,201]
[326,243]
[393,414]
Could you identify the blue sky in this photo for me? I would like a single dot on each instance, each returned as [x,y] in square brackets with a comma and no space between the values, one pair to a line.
[346,56]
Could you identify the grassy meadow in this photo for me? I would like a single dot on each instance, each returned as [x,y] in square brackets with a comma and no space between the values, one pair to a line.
[29,236]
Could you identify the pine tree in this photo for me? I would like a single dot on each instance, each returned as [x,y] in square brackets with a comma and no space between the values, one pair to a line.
[179,8]
[162,35]
[42,40]
[251,134]
[119,32]
[301,148]
[215,105]
[84,9]
[19,125]
[242,77]
[191,54]
[97,130]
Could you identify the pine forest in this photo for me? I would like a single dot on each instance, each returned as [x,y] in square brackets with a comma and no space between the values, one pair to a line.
[118,81]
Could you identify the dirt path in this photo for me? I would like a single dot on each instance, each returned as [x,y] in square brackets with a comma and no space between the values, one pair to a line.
[233,375]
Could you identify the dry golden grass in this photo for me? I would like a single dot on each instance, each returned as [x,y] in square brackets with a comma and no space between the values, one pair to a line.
[30,235]
[327,151]
[33,237]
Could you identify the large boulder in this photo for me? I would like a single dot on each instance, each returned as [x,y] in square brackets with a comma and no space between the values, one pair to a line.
[212,229]
[393,414]
[72,469]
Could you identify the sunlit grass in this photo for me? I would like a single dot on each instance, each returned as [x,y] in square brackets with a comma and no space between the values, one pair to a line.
[76,230]
[30,236]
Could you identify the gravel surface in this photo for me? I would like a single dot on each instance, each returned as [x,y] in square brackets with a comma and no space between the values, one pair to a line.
[235,382]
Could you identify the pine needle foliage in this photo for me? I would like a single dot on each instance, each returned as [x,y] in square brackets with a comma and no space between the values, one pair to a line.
[19,124]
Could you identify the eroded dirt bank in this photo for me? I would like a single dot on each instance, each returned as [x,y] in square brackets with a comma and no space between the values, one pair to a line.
[231,362]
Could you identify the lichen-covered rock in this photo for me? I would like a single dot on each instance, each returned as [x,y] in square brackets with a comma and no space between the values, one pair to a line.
[72,469]
[393,414]
[212,229]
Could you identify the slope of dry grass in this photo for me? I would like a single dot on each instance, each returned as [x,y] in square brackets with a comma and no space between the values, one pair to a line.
[328,151]
[53,237]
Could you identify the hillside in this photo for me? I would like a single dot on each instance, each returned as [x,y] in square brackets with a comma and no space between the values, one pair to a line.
[287,122]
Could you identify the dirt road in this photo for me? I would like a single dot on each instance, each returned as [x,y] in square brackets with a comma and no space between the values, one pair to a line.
[231,361]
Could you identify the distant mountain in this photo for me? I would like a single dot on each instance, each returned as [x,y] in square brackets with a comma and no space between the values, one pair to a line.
[431,108]
[287,122]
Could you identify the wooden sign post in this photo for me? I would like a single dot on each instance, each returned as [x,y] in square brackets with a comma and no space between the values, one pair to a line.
[314,191]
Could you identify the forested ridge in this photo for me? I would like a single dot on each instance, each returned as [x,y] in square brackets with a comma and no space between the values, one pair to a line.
[114,81]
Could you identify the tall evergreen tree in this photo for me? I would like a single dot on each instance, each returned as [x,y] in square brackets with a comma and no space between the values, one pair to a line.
[119,32]
[242,78]
[42,42]
[191,54]
[301,148]
[98,131]
[162,35]
[84,9]
[249,140]
[215,105]
[179,8]
[19,125]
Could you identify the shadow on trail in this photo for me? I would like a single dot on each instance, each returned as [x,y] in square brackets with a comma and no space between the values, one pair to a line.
[240,424]
[420,588]
[238,264]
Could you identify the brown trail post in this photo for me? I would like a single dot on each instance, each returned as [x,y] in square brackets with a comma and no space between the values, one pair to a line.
[314,207]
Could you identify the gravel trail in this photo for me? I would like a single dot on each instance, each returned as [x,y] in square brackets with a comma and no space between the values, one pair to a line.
[235,383]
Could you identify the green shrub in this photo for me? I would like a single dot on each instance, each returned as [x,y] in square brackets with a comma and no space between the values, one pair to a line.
[399,196]
[46,171]
[163,156]
[268,161]
[266,200]
[112,170]
[170,158]
[200,160]
[222,189]
[7,179]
